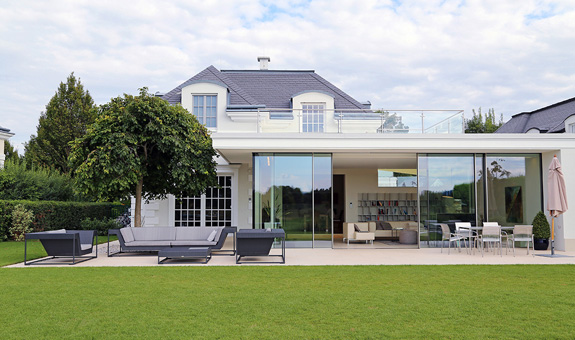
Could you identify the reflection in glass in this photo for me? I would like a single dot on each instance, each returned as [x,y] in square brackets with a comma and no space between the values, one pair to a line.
[397,178]
[446,192]
[513,188]
[293,192]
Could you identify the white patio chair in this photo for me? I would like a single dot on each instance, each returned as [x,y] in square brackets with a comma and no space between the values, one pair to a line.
[522,233]
[504,236]
[463,229]
[492,236]
[447,235]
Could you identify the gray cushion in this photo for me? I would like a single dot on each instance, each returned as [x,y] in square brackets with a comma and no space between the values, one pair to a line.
[154,233]
[86,246]
[127,234]
[212,235]
[194,243]
[188,233]
[59,231]
[356,228]
[150,244]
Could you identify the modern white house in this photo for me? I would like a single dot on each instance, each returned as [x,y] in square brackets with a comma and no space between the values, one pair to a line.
[5,134]
[297,152]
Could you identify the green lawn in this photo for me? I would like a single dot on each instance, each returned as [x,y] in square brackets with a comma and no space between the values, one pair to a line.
[13,252]
[285,302]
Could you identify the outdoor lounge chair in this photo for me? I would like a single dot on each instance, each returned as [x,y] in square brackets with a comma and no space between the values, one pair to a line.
[63,243]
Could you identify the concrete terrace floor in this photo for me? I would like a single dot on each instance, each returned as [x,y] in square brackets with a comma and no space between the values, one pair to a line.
[327,256]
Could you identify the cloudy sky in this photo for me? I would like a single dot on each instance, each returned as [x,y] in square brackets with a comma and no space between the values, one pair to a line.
[509,55]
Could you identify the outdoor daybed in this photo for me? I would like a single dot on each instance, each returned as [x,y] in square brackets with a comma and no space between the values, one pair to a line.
[63,243]
[158,238]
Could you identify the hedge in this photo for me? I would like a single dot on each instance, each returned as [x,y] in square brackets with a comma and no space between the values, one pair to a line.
[51,215]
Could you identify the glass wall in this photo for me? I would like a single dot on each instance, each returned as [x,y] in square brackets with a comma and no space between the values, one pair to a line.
[446,192]
[513,188]
[293,192]
[503,188]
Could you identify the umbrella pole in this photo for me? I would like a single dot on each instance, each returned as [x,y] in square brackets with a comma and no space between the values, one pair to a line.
[552,235]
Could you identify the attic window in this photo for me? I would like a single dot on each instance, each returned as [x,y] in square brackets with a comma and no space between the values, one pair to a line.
[205,109]
[313,117]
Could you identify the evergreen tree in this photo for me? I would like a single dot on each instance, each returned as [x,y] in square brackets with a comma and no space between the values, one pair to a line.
[478,125]
[10,153]
[66,118]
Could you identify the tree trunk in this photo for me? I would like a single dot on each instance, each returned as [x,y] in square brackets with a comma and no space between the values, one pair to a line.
[138,213]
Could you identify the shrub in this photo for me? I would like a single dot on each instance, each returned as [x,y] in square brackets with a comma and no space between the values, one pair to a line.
[100,225]
[541,226]
[17,183]
[52,215]
[21,220]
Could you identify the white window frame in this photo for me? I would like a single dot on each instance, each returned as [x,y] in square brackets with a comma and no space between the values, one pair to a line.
[200,110]
[313,117]
[229,170]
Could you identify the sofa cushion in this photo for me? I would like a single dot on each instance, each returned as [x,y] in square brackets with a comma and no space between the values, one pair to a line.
[149,244]
[127,234]
[59,231]
[193,243]
[212,235]
[154,233]
[188,233]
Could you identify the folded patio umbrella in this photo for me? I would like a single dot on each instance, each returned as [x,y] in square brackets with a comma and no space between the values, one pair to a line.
[556,196]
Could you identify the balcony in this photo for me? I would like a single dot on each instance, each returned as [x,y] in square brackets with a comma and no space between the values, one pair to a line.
[358,121]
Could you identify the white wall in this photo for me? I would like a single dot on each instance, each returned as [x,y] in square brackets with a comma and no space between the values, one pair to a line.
[362,181]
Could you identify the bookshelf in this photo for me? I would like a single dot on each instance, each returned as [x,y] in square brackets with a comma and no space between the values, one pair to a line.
[373,207]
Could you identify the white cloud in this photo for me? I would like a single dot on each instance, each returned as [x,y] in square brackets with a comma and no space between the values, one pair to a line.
[509,55]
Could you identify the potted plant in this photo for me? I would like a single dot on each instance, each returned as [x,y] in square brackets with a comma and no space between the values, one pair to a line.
[541,231]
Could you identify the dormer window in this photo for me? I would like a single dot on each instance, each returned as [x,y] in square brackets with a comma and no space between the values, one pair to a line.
[313,117]
[571,128]
[205,108]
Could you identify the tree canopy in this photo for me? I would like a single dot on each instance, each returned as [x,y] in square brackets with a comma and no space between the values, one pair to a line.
[144,147]
[478,125]
[67,116]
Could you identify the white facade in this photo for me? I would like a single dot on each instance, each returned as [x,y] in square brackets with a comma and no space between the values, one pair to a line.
[241,133]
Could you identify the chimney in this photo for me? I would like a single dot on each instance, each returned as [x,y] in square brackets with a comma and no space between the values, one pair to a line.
[264,62]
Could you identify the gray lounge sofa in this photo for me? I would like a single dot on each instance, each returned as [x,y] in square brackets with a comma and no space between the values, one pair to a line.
[153,239]
[62,243]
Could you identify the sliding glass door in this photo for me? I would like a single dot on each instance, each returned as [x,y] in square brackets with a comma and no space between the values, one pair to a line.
[293,192]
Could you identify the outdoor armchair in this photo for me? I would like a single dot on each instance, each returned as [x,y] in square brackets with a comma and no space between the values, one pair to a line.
[64,243]
[522,233]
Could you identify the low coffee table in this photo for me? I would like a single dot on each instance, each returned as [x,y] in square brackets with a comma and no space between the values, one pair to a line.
[185,253]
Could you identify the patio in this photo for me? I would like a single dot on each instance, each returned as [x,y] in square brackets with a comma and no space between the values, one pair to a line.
[328,256]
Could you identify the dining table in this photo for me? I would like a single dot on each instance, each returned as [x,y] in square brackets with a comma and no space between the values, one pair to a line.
[476,231]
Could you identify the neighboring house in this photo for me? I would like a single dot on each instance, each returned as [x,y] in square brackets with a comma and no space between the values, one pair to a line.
[299,153]
[5,134]
[555,118]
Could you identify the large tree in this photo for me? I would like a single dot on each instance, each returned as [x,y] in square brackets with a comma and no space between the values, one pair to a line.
[67,116]
[144,147]
[478,125]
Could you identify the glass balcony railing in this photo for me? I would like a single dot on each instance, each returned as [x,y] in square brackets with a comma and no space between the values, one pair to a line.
[360,121]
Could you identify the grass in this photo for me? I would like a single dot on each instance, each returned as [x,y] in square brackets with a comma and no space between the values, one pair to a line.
[13,252]
[284,302]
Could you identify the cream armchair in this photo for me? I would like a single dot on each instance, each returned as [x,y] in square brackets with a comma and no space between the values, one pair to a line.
[350,233]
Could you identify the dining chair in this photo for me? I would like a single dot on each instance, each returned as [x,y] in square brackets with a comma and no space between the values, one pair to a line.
[504,236]
[492,236]
[447,235]
[522,233]
[463,229]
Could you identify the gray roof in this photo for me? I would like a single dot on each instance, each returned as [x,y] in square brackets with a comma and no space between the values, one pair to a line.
[266,88]
[4,129]
[550,119]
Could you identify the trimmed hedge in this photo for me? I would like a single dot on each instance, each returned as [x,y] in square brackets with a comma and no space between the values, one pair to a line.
[51,215]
